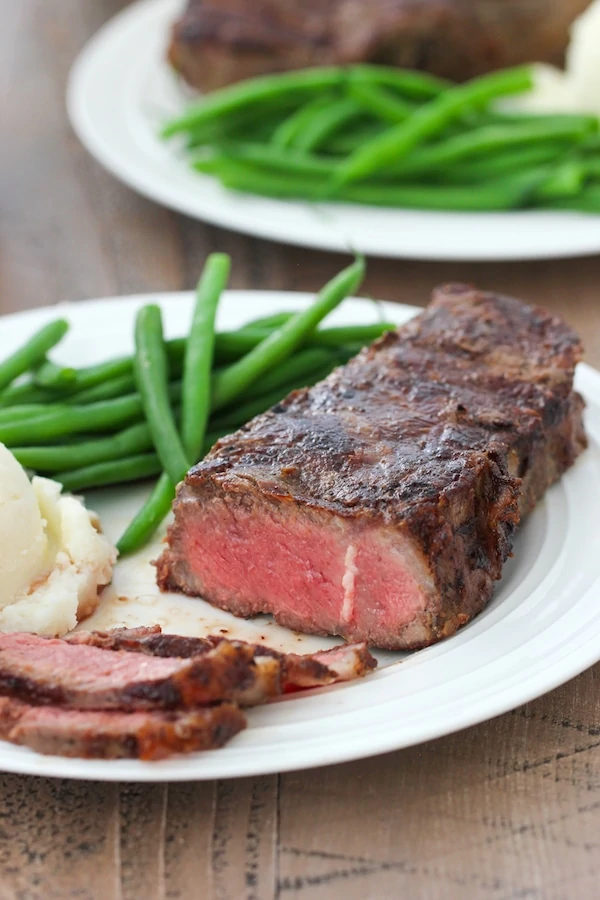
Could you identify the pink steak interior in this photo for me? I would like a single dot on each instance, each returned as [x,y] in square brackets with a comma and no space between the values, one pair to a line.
[311,571]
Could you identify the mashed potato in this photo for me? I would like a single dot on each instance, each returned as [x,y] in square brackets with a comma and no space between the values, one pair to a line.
[53,559]
[577,89]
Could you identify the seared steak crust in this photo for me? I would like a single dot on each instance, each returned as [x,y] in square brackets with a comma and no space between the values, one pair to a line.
[443,433]
[219,41]
[93,734]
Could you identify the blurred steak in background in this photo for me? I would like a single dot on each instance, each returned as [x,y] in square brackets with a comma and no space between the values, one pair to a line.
[216,42]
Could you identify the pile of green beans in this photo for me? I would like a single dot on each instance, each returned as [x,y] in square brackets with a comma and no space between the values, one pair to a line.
[158,411]
[383,136]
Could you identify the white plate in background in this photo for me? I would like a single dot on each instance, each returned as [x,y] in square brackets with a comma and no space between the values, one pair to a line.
[121,91]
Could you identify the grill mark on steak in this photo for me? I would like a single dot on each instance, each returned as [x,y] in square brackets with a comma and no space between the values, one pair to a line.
[48,671]
[93,734]
[431,444]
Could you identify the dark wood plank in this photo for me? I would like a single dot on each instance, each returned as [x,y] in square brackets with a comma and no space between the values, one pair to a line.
[59,840]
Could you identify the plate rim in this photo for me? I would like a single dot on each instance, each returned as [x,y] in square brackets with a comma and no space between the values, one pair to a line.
[81,118]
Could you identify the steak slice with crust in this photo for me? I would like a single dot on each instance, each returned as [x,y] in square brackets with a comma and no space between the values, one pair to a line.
[99,734]
[276,673]
[381,504]
[55,672]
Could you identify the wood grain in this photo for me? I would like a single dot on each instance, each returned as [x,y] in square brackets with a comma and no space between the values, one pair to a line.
[509,809]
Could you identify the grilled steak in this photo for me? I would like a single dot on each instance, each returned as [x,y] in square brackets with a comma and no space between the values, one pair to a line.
[381,504]
[219,41]
[276,673]
[95,734]
[54,672]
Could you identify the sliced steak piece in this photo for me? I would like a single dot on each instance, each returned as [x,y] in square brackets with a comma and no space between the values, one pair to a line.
[95,734]
[381,503]
[55,672]
[216,42]
[276,673]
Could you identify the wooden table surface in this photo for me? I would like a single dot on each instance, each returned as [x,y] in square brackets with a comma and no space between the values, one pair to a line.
[508,809]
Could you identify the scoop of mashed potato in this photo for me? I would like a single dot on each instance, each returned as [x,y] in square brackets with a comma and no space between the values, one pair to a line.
[577,88]
[53,557]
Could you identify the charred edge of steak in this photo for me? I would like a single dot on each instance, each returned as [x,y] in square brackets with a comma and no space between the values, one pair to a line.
[149,640]
[93,734]
[470,404]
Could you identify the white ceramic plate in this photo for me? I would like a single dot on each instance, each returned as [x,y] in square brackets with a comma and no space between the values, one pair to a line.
[541,628]
[121,91]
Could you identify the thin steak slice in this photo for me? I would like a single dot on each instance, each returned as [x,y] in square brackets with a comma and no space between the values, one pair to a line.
[54,672]
[381,504]
[96,734]
[276,673]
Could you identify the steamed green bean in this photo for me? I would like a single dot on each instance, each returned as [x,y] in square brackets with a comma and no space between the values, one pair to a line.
[33,352]
[152,379]
[198,360]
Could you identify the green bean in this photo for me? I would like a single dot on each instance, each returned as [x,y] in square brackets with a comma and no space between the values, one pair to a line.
[502,194]
[59,421]
[50,375]
[244,177]
[300,365]
[429,120]
[348,141]
[502,163]
[293,126]
[33,352]
[253,92]
[235,126]
[267,156]
[149,517]
[133,440]
[487,140]
[113,387]
[349,334]
[408,82]
[198,361]
[588,201]
[27,392]
[327,122]
[268,322]
[380,102]
[566,180]
[281,343]
[499,117]
[152,378]
[119,471]
[90,376]
[24,412]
